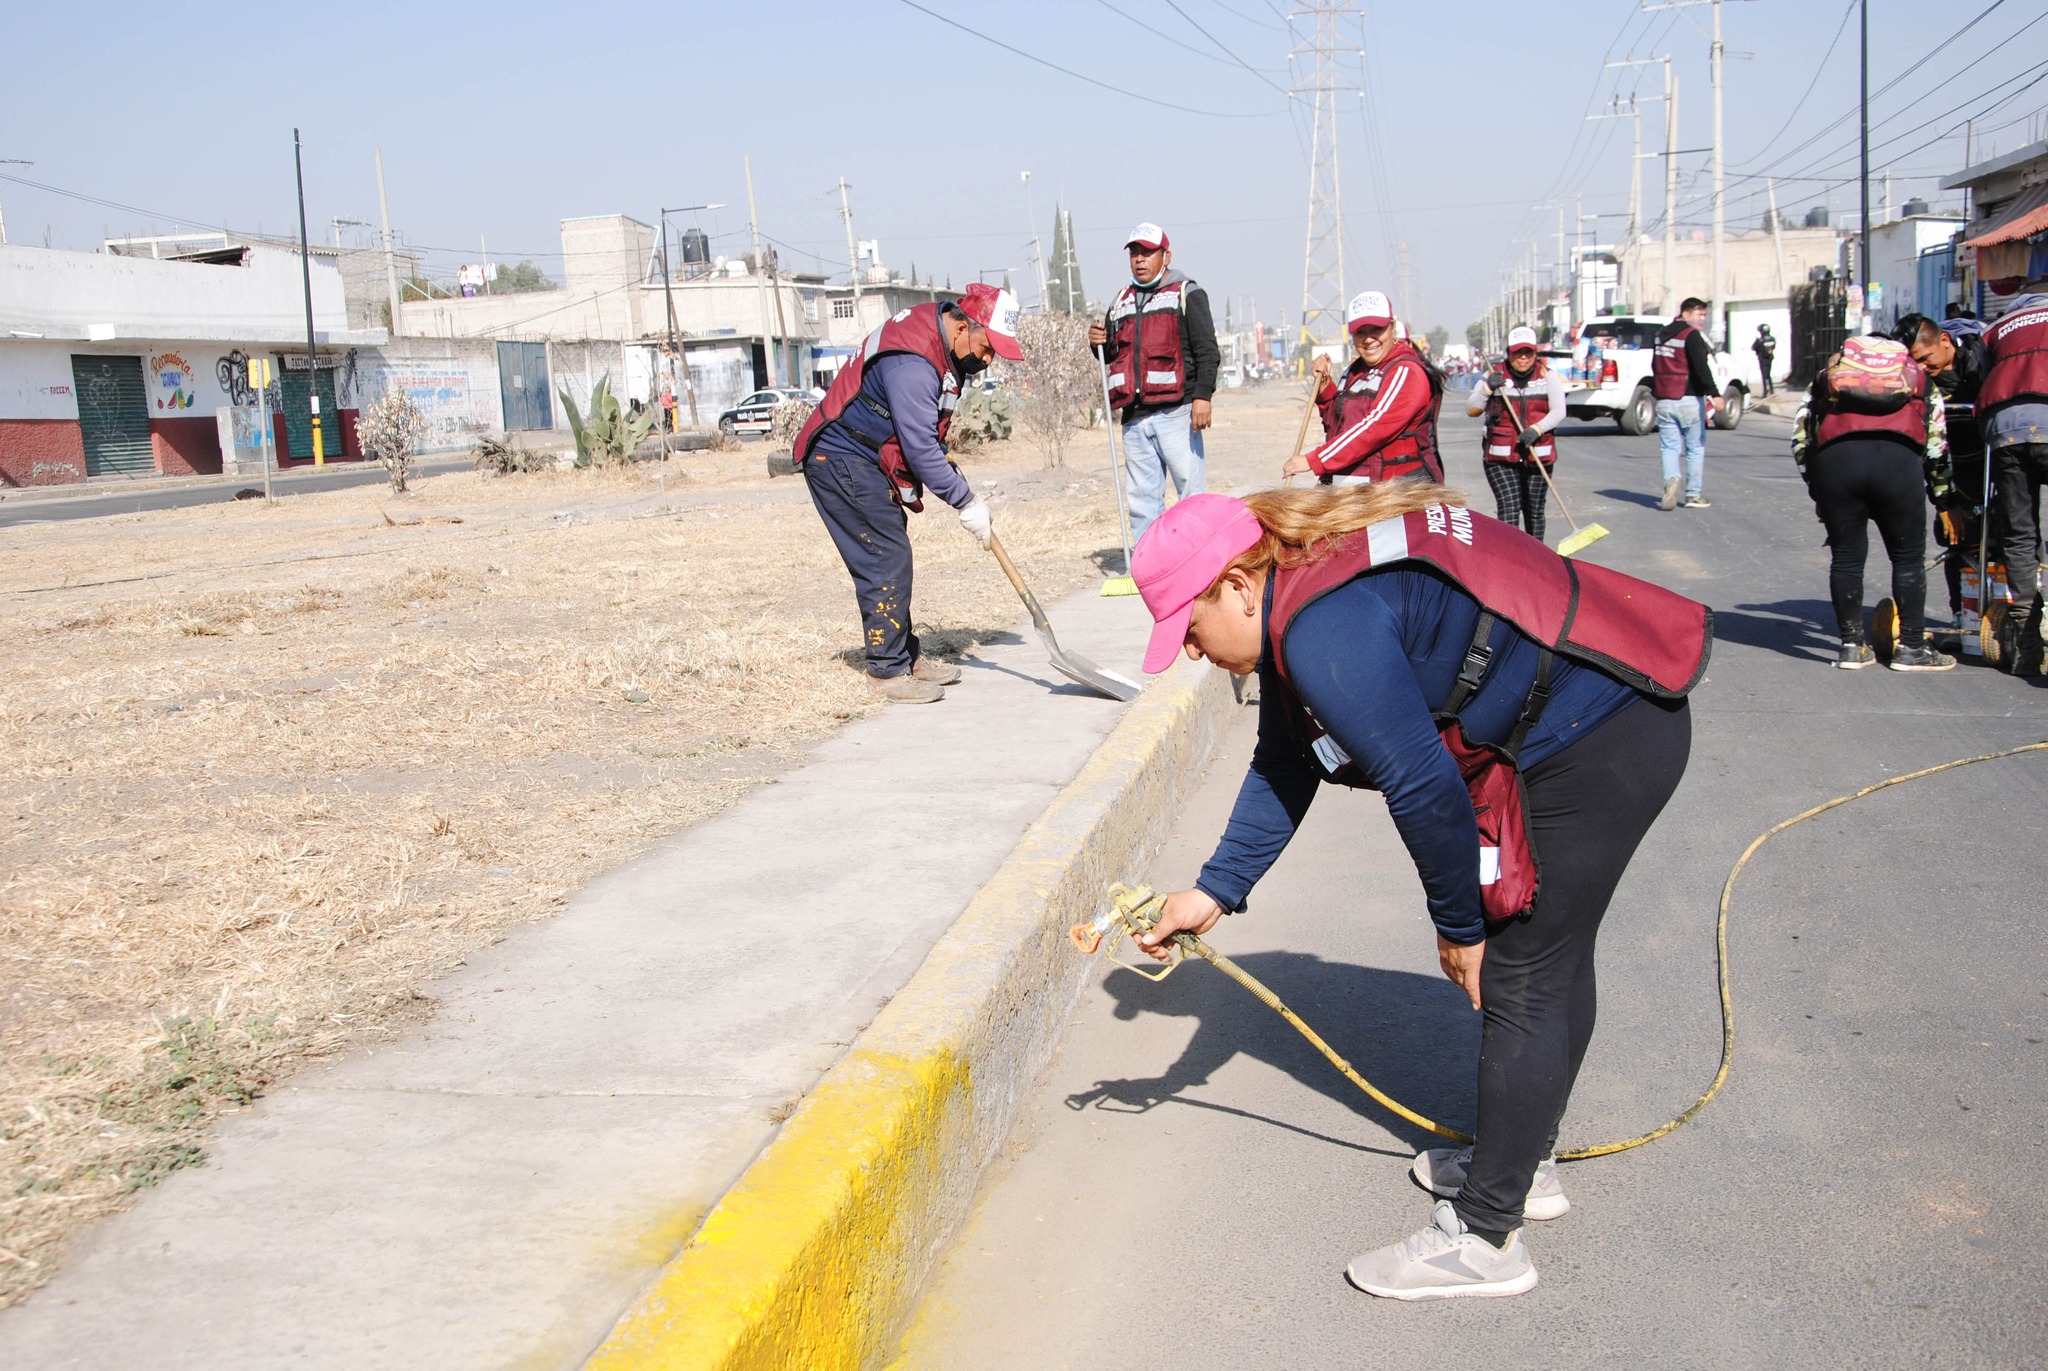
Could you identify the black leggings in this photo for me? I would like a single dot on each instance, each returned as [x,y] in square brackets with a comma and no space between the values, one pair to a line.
[1589,806]
[1518,495]
[1857,482]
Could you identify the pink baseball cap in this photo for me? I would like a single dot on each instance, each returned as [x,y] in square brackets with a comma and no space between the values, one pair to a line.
[1180,557]
[996,311]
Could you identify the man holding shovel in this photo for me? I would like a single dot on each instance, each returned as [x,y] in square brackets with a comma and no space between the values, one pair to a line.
[1159,348]
[877,443]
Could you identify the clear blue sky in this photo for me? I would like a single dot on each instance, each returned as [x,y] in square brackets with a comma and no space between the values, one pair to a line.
[499,120]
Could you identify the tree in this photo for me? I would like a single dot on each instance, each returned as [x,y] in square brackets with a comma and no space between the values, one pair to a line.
[1475,334]
[1063,291]
[389,430]
[526,276]
[1057,384]
[1438,336]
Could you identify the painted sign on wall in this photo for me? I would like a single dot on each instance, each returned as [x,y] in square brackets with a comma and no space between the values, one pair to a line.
[173,385]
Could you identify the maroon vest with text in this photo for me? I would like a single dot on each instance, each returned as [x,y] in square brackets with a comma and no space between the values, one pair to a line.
[1670,373]
[2016,353]
[1505,421]
[1148,362]
[916,330]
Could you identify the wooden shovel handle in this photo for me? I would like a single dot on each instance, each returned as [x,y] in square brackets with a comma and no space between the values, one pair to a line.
[1009,567]
[1301,434]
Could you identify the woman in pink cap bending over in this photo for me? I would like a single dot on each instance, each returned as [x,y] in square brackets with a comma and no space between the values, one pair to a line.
[1524,717]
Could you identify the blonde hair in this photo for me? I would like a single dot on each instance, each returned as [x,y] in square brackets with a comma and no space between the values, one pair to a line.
[1301,526]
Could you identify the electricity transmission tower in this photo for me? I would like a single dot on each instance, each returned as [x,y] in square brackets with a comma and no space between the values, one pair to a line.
[1316,28]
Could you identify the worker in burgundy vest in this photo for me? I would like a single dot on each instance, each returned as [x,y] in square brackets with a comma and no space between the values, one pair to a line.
[1953,353]
[1400,638]
[876,444]
[1379,421]
[1522,404]
[1682,379]
[1159,346]
[2013,408]
[1883,468]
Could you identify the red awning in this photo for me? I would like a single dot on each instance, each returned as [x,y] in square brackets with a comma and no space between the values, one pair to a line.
[2026,216]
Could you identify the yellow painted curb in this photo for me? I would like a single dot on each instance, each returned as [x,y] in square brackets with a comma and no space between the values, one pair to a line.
[815,1257]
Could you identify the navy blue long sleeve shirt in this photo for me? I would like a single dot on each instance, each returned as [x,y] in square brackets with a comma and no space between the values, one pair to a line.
[1371,660]
[907,389]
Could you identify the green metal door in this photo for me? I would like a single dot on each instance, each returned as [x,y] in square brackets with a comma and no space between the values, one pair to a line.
[298,416]
[113,415]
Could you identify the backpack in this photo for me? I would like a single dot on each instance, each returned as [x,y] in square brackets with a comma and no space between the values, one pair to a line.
[1874,376]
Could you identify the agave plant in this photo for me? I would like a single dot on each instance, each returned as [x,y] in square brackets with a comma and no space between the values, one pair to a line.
[608,434]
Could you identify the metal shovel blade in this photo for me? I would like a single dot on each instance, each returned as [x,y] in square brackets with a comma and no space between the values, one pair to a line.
[1074,667]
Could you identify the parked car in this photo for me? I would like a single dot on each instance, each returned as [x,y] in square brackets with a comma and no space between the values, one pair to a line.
[756,414]
[1621,391]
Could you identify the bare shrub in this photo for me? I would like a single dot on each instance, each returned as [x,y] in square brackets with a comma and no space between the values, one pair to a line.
[1056,385]
[389,431]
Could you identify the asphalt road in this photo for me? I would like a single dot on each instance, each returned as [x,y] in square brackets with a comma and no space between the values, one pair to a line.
[1190,1178]
[20,508]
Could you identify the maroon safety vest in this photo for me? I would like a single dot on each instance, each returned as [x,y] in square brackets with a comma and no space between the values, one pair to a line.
[1643,635]
[2016,350]
[1505,422]
[1412,451]
[916,330]
[1148,362]
[1670,372]
[1906,424]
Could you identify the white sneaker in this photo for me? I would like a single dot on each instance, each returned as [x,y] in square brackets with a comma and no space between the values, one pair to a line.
[1444,1261]
[1441,1171]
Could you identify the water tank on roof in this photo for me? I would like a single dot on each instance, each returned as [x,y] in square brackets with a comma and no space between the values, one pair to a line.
[1915,206]
[1817,217]
[696,247]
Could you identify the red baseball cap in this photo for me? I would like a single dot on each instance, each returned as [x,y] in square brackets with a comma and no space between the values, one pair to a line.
[996,311]
[1150,237]
[1180,557]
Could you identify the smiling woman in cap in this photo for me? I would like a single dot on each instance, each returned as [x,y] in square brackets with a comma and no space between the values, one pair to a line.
[876,443]
[1507,704]
[1380,419]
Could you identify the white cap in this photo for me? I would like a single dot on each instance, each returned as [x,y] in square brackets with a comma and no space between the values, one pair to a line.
[1523,337]
[1369,307]
[1148,236]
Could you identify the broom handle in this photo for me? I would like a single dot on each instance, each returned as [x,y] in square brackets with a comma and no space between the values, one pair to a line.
[1522,420]
[1301,434]
[1116,469]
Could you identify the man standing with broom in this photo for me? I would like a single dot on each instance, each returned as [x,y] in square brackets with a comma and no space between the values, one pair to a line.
[1159,349]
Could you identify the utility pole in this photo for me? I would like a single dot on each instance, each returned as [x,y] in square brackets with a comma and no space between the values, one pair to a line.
[1777,238]
[1717,328]
[760,276]
[1322,276]
[675,346]
[1037,249]
[484,253]
[390,261]
[852,255]
[1670,187]
[306,273]
[1863,137]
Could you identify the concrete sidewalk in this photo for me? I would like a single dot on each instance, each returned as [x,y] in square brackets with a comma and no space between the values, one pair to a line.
[495,1188]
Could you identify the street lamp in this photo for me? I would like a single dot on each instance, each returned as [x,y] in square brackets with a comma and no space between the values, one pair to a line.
[668,295]
[986,272]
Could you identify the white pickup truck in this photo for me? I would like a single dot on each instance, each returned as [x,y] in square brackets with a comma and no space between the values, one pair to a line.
[1621,390]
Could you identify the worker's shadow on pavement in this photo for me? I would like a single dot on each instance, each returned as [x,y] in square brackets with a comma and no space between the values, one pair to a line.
[1630,497]
[1414,1037]
[1795,628]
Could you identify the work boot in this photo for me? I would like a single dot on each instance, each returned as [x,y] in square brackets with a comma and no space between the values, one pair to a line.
[1670,500]
[1920,656]
[907,690]
[1855,655]
[1444,1261]
[1441,1171]
[2026,650]
[935,670]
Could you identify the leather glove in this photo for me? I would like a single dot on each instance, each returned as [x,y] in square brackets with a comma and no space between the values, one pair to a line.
[974,518]
[1530,438]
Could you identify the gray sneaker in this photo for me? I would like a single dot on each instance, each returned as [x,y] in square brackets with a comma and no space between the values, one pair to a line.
[1698,502]
[906,689]
[1921,658]
[1855,656]
[1670,500]
[1441,1171]
[1444,1261]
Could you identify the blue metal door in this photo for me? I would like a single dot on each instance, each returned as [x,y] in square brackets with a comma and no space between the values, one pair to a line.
[523,386]
[1937,272]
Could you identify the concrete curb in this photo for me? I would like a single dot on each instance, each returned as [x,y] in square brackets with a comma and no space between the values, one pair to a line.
[816,1256]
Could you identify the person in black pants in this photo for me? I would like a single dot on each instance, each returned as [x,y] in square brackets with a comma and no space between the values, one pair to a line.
[1384,621]
[1766,349]
[1953,354]
[1863,467]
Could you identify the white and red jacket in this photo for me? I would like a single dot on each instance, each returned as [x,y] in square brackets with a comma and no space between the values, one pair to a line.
[1381,420]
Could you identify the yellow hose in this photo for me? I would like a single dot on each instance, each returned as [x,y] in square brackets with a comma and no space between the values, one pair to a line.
[1143,917]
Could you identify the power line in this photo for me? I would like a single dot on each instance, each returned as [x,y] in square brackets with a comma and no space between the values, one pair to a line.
[1847,12]
[1184,46]
[1172,5]
[1068,71]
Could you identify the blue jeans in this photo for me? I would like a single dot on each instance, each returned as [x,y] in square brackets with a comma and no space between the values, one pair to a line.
[1683,422]
[1154,445]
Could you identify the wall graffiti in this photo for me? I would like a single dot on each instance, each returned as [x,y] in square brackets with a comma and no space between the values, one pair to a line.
[444,394]
[348,382]
[232,371]
[176,387]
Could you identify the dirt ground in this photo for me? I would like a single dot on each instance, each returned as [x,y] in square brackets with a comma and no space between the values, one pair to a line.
[267,770]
